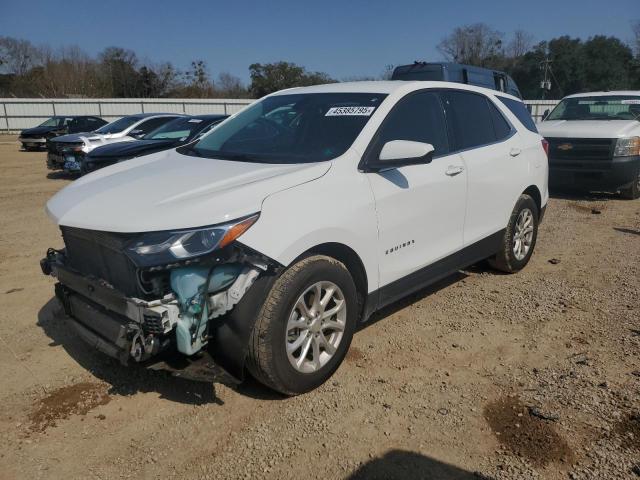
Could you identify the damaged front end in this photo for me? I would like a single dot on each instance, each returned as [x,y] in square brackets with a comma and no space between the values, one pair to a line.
[162,299]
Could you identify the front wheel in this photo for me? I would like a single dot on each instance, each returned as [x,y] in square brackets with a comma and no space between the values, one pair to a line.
[305,326]
[519,237]
[632,191]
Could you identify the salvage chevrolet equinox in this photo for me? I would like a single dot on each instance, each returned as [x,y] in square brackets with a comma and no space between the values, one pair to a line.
[261,246]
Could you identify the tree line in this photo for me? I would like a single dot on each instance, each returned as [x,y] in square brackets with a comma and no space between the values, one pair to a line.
[568,64]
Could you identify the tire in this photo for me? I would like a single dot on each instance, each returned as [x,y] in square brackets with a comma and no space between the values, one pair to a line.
[632,191]
[507,260]
[268,359]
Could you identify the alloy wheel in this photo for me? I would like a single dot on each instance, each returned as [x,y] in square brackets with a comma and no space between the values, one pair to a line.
[523,234]
[315,326]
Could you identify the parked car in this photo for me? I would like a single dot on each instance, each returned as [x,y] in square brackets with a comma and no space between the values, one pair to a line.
[69,148]
[263,244]
[456,72]
[594,142]
[171,135]
[35,138]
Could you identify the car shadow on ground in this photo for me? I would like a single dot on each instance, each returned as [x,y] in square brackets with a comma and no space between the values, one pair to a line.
[591,196]
[414,298]
[123,380]
[402,464]
[480,268]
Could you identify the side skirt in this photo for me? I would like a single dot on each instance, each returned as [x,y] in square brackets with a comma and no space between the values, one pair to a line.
[430,274]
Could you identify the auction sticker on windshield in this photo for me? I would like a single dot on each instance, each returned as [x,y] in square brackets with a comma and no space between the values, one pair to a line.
[350,111]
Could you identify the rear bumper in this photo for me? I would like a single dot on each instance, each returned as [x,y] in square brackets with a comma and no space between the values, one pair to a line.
[620,172]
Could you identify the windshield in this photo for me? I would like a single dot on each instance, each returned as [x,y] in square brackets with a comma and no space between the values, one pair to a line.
[606,107]
[295,128]
[52,122]
[178,129]
[118,125]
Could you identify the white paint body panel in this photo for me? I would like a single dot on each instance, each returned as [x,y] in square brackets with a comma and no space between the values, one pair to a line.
[589,128]
[305,205]
[166,191]
[592,128]
[422,206]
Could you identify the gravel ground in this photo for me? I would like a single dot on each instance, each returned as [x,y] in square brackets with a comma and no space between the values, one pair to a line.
[527,376]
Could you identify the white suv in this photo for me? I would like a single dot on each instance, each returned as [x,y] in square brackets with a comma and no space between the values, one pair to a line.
[262,245]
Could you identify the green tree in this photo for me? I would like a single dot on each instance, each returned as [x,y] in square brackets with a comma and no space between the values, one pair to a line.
[271,77]
[607,64]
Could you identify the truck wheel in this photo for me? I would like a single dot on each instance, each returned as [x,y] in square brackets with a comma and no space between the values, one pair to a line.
[632,191]
[305,326]
[519,237]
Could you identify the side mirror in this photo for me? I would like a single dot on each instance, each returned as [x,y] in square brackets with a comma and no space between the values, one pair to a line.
[545,114]
[136,133]
[400,153]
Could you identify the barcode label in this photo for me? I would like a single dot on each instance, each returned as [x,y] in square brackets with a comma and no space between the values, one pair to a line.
[350,111]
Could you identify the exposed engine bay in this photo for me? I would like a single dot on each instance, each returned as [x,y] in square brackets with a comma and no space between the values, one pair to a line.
[137,313]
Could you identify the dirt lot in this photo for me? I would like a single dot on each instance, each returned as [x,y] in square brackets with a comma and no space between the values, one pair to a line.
[534,375]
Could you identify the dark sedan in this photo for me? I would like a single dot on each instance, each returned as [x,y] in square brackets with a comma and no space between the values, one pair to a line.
[35,138]
[173,134]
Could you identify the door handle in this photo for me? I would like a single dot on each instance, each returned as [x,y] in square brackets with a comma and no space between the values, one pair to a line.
[515,152]
[453,170]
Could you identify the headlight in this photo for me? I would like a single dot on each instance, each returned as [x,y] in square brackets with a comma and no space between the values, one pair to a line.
[157,248]
[626,147]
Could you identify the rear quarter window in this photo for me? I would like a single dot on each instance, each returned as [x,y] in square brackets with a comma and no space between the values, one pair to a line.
[519,109]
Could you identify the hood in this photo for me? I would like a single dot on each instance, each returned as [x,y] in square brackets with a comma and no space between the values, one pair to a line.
[130,149]
[93,138]
[38,130]
[168,190]
[589,128]
[71,137]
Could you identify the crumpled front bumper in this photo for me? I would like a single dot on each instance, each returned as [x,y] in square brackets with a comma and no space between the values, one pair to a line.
[113,324]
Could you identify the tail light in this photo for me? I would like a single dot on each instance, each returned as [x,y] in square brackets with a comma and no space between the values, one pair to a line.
[545,146]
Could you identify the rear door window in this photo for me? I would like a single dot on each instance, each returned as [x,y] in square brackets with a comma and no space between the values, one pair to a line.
[519,109]
[470,119]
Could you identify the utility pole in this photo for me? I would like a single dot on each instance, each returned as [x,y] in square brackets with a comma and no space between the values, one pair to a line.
[545,66]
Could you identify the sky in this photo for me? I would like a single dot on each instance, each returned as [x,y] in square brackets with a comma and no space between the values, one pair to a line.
[345,39]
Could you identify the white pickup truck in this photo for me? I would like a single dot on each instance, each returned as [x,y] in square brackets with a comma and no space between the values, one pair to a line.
[594,142]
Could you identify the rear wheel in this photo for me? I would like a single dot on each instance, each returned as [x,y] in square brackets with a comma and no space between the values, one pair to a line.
[632,191]
[519,237]
[305,326]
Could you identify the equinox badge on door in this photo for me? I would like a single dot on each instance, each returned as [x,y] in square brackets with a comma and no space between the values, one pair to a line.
[398,247]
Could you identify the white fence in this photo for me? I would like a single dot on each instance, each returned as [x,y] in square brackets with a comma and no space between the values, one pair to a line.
[539,107]
[19,113]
